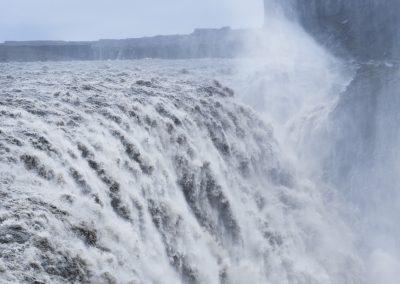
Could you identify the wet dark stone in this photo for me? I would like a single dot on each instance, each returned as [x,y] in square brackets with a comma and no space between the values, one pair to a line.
[79,180]
[210,90]
[144,83]
[67,198]
[217,89]
[44,245]
[114,188]
[223,276]
[96,199]
[88,235]
[72,155]
[41,113]
[13,234]
[11,140]
[108,278]
[41,143]
[4,149]
[119,208]
[32,163]
[244,168]
[77,118]
[150,122]
[222,147]
[189,274]
[32,280]
[218,201]
[163,112]
[9,114]
[202,191]
[274,239]
[47,174]
[159,215]
[34,266]
[112,117]
[132,151]
[88,88]
[219,140]
[228,91]
[134,115]
[56,211]
[167,227]
[84,151]
[181,139]
[95,166]
[170,128]
[70,269]
[176,120]
[72,123]
[50,207]
[134,154]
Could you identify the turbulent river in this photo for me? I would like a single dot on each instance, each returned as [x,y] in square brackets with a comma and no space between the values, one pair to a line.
[278,169]
[155,172]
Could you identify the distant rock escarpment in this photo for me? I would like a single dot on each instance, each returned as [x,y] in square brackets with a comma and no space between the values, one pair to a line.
[202,43]
[43,51]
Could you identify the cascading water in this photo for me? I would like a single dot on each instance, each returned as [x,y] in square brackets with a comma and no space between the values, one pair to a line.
[155,172]
[147,172]
[340,120]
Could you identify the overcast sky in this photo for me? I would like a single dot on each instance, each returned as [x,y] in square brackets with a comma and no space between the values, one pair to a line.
[95,19]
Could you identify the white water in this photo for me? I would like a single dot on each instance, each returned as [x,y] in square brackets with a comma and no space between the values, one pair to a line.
[150,172]
[164,180]
[336,122]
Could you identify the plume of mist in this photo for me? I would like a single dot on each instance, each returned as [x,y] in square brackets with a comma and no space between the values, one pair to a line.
[320,106]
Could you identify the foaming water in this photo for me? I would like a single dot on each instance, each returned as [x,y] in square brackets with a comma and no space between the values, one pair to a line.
[335,121]
[151,171]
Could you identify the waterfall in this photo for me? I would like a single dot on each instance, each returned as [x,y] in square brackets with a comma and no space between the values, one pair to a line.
[149,172]
[277,168]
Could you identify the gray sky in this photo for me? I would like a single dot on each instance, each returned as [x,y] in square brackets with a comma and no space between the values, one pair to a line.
[95,19]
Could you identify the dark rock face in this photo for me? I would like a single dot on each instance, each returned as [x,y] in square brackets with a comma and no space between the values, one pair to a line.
[13,234]
[363,29]
[45,52]
[366,133]
[368,33]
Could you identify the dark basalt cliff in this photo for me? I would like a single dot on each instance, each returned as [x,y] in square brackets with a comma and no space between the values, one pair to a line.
[44,51]
[363,151]
[363,29]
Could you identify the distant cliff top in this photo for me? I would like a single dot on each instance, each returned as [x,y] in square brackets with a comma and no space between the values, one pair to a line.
[201,43]
[196,32]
